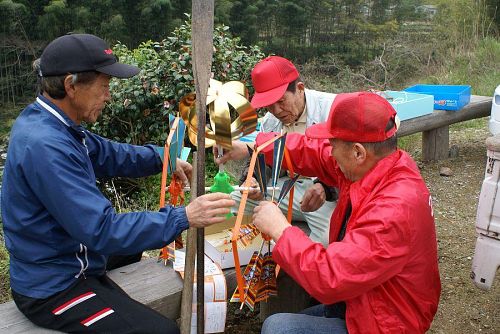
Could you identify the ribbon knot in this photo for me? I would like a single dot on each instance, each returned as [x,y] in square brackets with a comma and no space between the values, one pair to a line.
[222,99]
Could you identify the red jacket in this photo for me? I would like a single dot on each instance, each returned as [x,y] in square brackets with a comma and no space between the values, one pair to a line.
[385,268]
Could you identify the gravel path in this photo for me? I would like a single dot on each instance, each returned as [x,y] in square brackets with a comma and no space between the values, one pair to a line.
[463,307]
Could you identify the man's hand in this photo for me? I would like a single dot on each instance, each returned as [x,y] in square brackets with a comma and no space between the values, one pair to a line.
[238,152]
[209,209]
[183,171]
[255,193]
[313,199]
[269,219]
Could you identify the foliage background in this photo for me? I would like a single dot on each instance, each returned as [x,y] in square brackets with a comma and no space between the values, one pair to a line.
[401,35]
[138,111]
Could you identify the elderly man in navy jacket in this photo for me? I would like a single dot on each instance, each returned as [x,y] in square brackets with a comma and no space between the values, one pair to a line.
[59,228]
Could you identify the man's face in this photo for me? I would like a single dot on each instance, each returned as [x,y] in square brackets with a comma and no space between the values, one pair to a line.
[343,153]
[290,106]
[90,99]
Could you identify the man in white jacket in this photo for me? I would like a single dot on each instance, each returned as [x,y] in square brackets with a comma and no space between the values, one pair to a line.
[292,108]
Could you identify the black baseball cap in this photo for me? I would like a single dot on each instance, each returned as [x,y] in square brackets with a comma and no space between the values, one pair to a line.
[76,53]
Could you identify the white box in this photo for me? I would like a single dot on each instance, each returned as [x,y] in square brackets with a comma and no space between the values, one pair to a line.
[222,253]
[495,113]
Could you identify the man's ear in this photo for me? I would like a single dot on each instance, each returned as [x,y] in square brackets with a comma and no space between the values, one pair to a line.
[300,86]
[359,152]
[69,86]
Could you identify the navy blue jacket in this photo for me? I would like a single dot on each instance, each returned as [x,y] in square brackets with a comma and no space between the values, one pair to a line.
[57,225]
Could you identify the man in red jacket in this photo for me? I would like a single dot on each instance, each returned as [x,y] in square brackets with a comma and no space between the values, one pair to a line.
[379,273]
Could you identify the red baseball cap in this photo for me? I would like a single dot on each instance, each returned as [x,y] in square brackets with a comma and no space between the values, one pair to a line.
[270,78]
[357,117]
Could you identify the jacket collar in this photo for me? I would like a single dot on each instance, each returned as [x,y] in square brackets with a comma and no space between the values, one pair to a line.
[361,188]
[50,107]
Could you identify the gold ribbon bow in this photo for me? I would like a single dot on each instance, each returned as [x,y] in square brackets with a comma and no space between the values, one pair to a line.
[221,100]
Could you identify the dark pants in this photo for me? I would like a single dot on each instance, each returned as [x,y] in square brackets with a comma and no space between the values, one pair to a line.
[94,305]
[117,261]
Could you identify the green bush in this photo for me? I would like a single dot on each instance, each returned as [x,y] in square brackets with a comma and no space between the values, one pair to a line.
[138,111]
[4,274]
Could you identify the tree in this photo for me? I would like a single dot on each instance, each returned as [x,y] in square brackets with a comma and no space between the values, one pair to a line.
[54,21]
[245,20]
[380,11]
[139,107]
[406,10]
[12,14]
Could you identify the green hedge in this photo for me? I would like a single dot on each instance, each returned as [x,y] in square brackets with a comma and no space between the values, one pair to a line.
[140,105]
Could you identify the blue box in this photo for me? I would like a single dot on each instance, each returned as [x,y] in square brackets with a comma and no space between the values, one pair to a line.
[409,105]
[446,97]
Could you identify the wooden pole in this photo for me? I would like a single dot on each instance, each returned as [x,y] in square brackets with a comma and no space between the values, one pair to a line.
[187,290]
[202,40]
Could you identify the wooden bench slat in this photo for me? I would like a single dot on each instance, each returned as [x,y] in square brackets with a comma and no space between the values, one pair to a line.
[479,106]
[435,126]
[148,281]
[14,322]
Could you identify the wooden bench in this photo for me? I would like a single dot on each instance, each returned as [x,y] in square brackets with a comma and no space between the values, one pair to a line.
[435,126]
[147,281]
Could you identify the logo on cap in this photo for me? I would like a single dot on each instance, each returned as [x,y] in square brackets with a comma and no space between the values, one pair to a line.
[77,53]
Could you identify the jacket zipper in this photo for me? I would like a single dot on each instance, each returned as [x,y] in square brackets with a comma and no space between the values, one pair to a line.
[83,265]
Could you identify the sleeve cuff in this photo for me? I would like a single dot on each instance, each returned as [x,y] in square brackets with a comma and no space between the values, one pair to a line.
[182,219]
[331,193]
[178,218]
[287,237]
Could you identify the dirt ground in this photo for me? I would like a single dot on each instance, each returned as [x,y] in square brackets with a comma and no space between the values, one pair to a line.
[463,308]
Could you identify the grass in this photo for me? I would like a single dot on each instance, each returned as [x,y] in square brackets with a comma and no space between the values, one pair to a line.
[8,114]
[479,68]
[412,144]
[4,275]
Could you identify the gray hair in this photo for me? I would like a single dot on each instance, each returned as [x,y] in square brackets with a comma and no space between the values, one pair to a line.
[384,147]
[54,85]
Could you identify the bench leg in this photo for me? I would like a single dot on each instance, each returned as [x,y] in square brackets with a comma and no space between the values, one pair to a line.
[435,144]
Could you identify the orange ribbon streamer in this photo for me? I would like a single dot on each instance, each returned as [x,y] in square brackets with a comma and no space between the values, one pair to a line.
[239,217]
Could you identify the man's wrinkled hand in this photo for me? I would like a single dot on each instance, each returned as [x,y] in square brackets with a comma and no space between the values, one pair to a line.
[254,193]
[269,219]
[183,171]
[313,198]
[238,152]
[209,209]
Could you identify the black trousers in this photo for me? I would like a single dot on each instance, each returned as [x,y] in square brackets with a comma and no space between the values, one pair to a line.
[117,261]
[94,305]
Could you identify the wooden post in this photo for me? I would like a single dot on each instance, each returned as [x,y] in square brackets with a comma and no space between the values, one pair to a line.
[187,290]
[202,39]
[435,144]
